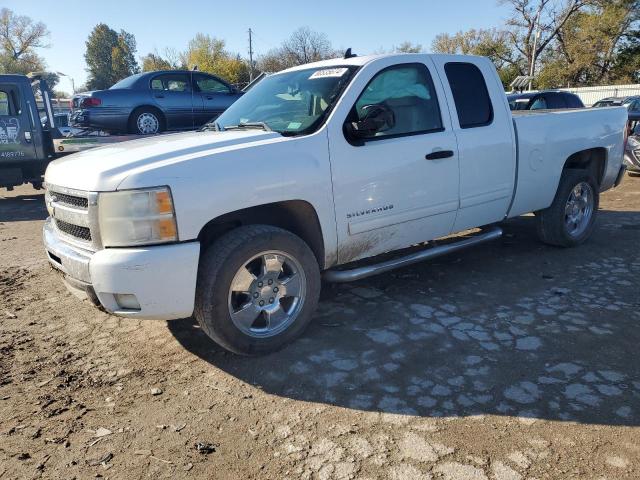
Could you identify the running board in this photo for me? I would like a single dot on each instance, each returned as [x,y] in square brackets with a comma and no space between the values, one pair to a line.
[342,276]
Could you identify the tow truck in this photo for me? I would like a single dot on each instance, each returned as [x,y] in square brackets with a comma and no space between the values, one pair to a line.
[29,136]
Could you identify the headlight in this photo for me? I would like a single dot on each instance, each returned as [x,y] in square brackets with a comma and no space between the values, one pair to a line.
[137,217]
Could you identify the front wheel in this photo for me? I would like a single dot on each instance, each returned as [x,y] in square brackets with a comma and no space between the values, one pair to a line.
[258,287]
[570,219]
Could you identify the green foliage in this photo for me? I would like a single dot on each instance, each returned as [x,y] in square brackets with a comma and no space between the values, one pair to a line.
[208,54]
[19,37]
[596,46]
[492,43]
[575,42]
[110,56]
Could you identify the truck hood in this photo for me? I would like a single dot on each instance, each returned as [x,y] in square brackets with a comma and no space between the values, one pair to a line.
[104,168]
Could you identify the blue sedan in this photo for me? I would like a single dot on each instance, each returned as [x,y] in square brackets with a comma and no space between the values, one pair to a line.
[153,102]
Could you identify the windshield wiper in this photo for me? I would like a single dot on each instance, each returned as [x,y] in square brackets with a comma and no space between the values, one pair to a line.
[242,125]
[211,126]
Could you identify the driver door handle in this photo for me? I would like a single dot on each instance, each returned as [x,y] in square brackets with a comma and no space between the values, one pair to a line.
[438,155]
[159,95]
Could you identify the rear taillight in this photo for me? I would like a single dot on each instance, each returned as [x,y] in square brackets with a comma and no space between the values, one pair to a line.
[90,102]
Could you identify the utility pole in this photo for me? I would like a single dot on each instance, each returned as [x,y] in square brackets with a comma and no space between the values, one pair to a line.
[532,69]
[250,56]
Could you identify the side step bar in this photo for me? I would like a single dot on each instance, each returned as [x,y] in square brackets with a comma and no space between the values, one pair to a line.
[342,276]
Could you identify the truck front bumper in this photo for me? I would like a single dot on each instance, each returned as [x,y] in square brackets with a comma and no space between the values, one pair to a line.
[157,282]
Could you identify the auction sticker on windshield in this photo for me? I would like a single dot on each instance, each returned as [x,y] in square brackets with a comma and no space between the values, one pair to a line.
[329,72]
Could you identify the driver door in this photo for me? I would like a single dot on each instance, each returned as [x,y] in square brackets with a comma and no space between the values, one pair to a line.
[16,132]
[400,186]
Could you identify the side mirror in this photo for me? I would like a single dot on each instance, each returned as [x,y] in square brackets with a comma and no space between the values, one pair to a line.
[377,118]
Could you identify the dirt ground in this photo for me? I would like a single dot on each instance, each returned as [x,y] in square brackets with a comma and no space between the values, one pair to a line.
[508,361]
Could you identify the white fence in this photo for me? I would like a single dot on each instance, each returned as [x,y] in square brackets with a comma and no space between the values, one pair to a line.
[590,95]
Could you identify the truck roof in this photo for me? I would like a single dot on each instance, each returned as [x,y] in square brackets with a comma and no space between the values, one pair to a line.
[365,59]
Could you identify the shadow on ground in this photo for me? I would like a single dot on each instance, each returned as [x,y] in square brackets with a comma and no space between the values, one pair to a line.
[23,208]
[512,328]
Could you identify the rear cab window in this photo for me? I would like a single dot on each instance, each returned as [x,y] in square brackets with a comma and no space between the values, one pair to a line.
[470,94]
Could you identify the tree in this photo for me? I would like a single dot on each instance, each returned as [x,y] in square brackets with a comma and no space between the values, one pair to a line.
[303,46]
[110,56]
[533,25]
[168,60]
[492,43]
[588,47]
[408,47]
[208,54]
[19,37]
[123,56]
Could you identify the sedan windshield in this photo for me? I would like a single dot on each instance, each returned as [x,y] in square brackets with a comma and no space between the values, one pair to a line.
[291,103]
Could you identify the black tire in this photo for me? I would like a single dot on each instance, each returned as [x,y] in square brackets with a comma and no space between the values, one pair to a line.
[552,226]
[218,266]
[133,120]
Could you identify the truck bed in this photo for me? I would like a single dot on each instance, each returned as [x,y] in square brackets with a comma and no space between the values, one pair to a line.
[546,138]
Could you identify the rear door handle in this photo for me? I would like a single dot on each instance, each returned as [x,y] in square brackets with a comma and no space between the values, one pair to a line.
[439,155]
[159,95]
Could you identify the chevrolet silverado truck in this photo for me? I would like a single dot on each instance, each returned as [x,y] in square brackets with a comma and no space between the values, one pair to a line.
[337,170]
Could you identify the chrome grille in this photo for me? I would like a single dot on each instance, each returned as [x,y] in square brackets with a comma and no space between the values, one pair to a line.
[71,200]
[77,231]
[75,215]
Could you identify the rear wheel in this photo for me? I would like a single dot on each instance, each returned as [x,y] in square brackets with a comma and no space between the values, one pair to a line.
[146,121]
[570,219]
[258,287]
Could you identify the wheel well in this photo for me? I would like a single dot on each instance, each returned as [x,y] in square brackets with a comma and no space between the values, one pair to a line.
[296,216]
[593,159]
[161,116]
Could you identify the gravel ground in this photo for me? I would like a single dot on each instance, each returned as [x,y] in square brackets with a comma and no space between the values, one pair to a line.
[508,361]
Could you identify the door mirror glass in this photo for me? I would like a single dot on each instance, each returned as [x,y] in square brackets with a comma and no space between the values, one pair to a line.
[377,118]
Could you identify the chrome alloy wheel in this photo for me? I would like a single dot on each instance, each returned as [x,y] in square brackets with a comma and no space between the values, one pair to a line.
[267,294]
[579,209]
[148,123]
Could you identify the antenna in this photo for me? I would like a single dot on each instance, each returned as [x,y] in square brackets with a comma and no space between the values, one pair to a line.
[348,54]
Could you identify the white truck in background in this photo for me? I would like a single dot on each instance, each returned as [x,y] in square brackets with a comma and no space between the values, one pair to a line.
[315,168]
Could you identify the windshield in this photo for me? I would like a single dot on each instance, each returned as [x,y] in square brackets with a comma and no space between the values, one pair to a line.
[290,103]
[126,82]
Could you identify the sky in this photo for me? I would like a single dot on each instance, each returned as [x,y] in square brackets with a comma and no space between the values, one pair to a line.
[365,26]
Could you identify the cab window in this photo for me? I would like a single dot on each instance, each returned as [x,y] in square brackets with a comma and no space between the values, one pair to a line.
[208,84]
[408,91]
[470,94]
[8,105]
[171,82]
[556,101]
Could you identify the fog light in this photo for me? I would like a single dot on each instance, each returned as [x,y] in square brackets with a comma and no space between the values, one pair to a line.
[126,301]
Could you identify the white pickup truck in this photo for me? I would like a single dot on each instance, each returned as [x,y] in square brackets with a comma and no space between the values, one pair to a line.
[314,168]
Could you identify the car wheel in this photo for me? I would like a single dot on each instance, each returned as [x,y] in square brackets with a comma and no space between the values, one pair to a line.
[146,121]
[570,219]
[258,287]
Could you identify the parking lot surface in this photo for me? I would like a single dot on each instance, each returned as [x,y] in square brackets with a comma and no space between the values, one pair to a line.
[507,361]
